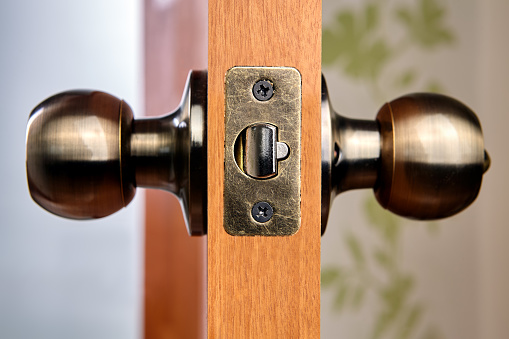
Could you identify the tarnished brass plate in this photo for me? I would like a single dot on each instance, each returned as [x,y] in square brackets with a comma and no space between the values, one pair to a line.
[282,191]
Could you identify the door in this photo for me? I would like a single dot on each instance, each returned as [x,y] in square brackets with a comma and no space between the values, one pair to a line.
[175,35]
[248,287]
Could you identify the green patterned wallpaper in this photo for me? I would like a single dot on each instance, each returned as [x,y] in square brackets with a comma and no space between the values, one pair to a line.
[362,44]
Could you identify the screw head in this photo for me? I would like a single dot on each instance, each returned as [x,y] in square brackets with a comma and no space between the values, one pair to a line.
[263,90]
[262,211]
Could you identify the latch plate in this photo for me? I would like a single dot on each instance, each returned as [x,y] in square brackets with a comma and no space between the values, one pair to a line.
[282,191]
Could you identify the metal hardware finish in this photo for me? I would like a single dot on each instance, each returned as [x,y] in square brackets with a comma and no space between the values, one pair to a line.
[263,90]
[262,211]
[281,190]
[257,151]
[86,154]
[423,156]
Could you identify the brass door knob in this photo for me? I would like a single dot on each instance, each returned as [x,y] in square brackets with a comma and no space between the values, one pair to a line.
[86,154]
[423,156]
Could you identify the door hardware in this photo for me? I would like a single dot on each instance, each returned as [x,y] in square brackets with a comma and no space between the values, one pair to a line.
[264,178]
[257,151]
[423,155]
[263,90]
[85,154]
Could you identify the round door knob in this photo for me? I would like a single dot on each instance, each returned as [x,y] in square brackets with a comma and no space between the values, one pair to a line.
[432,156]
[78,154]
[86,154]
[423,156]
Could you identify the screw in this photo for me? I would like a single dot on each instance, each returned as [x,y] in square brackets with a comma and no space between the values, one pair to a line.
[263,90]
[262,211]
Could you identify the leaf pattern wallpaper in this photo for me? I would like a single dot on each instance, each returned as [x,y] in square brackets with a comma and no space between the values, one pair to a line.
[370,291]
[359,42]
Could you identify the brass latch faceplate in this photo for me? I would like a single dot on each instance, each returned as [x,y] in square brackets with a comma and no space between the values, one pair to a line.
[263,135]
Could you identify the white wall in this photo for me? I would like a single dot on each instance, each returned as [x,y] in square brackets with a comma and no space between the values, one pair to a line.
[61,278]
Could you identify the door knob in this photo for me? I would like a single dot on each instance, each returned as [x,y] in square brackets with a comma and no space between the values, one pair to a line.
[423,155]
[85,154]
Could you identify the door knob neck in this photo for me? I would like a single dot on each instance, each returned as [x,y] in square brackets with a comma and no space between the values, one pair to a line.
[356,153]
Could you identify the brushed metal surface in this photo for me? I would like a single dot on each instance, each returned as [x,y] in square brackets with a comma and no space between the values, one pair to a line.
[258,150]
[74,154]
[86,154]
[282,191]
[423,156]
[432,156]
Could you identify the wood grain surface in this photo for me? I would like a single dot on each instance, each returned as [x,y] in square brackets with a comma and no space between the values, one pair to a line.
[265,287]
[175,263]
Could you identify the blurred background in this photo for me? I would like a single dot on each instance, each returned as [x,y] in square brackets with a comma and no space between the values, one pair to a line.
[382,276]
[62,278]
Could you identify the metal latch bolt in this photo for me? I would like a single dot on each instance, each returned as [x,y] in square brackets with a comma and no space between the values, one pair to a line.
[257,151]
